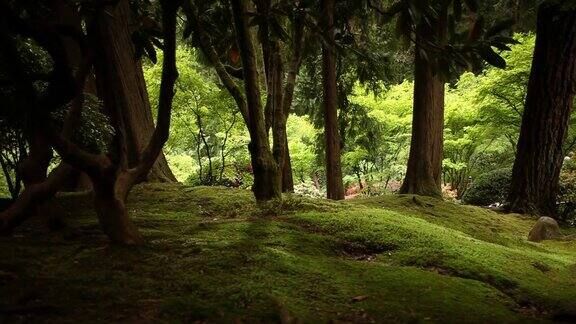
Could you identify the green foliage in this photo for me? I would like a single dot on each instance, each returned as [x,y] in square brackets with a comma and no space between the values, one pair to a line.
[4,190]
[459,38]
[301,141]
[94,131]
[206,124]
[13,148]
[489,188]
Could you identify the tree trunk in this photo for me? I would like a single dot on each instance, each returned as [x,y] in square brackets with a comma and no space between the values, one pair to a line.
[35,198]
[549,101]
[287,176]
[65,14]
[267,177]
[335,187]
[110,194]
[34,170]
[424,171]
[288,96]
[122,87]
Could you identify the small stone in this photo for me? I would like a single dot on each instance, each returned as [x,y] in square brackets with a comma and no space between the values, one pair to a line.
[545,228]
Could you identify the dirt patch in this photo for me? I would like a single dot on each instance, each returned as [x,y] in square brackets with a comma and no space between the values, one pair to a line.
[360,252]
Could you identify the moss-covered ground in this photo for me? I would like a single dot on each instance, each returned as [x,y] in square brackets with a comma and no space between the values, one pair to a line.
[213,255]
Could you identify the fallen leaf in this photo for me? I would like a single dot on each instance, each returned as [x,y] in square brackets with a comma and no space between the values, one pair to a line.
[359,298]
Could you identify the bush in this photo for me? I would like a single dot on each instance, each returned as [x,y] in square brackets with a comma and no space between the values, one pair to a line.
[489,188]
[308,189]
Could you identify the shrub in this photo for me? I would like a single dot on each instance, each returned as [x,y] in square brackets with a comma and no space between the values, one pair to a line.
[489,188]
[308,189]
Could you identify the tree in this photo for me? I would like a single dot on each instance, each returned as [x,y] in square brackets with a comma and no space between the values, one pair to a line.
[111,177]
[334,185]
[121,84]
[444,47]
[549,102]
[267,163]
[424,170]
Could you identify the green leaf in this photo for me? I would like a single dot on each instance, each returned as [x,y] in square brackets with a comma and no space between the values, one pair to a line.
[150,51]
[488,54]
[504,40]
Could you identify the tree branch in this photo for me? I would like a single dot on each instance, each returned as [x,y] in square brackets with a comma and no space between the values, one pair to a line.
[210,52]
[169,76]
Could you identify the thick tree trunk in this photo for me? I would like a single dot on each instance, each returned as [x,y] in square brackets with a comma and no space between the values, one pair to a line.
[549,101]
[424,171]
[34,170]
[334,185]
[110,194]
[35,198]
[121,85]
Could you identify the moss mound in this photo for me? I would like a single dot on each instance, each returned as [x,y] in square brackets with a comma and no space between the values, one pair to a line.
[214,255]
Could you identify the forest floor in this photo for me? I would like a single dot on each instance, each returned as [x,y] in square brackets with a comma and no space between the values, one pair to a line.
[213,255]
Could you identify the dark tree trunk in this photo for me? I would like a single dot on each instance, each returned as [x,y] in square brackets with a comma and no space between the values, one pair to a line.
[38,199]
[267,177]
[34,170]
[65,14]
[288,96]
[334,185]
[111,178]
[549,101]
[287,176]
[121,85]
[424,171]
[110,195]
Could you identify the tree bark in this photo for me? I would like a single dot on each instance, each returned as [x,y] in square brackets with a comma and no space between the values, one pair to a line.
[65,14]
[424,170]
[549,101]
[288,95]
[287,176]
[267,177]
[112,180]
[110,195]
[335,187]
[35,197]
[121,85]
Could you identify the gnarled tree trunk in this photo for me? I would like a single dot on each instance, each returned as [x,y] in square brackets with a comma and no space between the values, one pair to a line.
[111,178]
[549,101]
[334,185]
[121,85]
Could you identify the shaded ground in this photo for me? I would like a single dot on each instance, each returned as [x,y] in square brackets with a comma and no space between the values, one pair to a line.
[214,256]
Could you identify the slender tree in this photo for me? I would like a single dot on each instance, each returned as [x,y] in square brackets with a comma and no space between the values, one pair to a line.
[334,185]
[271,168]
[549,101]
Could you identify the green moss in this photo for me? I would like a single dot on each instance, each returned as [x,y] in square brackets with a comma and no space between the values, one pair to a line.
[214,255]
